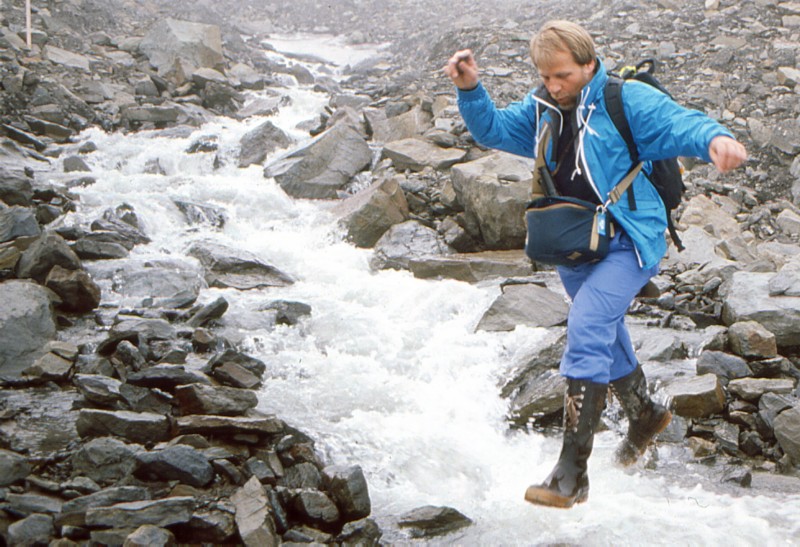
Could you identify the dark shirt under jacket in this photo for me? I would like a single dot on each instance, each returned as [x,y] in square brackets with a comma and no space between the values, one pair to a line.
[566,184]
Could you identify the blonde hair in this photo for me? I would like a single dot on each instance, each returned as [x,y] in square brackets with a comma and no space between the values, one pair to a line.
[556,36]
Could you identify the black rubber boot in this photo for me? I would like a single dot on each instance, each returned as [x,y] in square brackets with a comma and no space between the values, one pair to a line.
[646,418]
[568,483]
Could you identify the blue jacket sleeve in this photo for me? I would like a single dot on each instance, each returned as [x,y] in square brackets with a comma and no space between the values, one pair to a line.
[511,129]
[663,128]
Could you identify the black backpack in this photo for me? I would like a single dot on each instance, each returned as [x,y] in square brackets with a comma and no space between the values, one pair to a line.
[667,174]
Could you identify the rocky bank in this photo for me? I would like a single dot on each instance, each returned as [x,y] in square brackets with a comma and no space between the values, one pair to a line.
[146,432]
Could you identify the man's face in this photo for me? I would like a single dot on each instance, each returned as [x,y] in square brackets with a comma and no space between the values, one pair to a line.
[564,78]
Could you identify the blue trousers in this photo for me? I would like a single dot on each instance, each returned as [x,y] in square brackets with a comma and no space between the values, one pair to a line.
[598,343]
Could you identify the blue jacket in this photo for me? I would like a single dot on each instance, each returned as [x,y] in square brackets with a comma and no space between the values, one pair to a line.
[661,128]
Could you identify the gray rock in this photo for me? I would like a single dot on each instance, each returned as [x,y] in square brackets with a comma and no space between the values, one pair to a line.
[206,399]
[74,164]
[368,214]
[148,535]
[18,222]
[787,431]
[210,312]
[151,114]
[751,389]
[163,512]
[235,268]
[697,397]
[139,427]
[227,425]
[417,154]
[50,367]
[349,490]
[772,404]
[166,377]
[179,462]
[200,213]
[217,526]
[430,521]
[315,507]
[236,375]
[105,459]
[253,520]
[96,247]
[78,292]
[258,143]
[288,313]
[747,298]
[136,330]
[13,467]
[725,366]
[47,251]
[15,186]
[750,339]
[175,284]
[494,191]
[321,168]
[361,532]
[662,347]
[302,475]
[403,242]
[36,529]
[26,324]
[73,512]
[473,267]
[28,504]
[524,304]
[179,48]
[542,395]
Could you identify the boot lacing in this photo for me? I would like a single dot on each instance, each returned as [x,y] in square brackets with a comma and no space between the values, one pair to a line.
[572,410]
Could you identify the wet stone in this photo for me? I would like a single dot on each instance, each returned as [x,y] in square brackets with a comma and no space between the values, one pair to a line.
[302,475]
[750,339]
[724,365]
[315,507]
[225,401]
[430,521]
[105,459]
[98,389]
[139,427]
[751,389]
[179,462]
[697,397]
[166,377]
[348,487]
[163,512]
[74,511]
[13,467]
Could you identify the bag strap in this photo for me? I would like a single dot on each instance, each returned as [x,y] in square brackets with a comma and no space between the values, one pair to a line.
[616,192]
[616,111]
[541,185]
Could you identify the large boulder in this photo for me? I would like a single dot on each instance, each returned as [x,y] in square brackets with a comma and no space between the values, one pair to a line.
[257,143]
[368,214]
[526,304]
[227,267]
[15,186]
[787,430]
[27,323]
[494,191]
[473,267]
[747,297]
[47,251]
[417,154]
[403,242]
[321,168]
[178,48]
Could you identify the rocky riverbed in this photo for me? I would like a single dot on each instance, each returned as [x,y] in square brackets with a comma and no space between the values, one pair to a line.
[130,411]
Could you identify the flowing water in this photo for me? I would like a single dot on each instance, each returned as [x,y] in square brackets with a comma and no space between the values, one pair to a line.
[388,372]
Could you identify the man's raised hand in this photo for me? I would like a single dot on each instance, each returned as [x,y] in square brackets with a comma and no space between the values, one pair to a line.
[462,69]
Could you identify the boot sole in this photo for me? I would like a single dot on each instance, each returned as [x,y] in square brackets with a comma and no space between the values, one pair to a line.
[542,496]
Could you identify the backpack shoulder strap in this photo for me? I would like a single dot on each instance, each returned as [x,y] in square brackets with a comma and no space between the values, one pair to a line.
[616,111]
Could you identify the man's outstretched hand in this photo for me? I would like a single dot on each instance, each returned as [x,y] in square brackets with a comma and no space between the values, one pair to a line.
[462,69]
[726,153]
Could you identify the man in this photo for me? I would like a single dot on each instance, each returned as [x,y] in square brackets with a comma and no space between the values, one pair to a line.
[591,157]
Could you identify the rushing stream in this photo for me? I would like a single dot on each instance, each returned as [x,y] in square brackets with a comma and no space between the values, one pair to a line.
[387,372]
